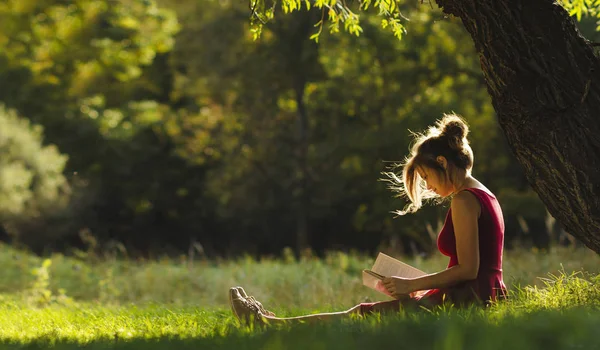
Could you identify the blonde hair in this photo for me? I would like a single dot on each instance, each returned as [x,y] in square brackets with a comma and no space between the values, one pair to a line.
[447,138]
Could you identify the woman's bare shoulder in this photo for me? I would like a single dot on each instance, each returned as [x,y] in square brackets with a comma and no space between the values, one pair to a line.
[476,184]
[465,202]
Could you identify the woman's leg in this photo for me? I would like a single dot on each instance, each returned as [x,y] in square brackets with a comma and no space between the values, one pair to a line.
[248,309]
[314,317]
[363,309]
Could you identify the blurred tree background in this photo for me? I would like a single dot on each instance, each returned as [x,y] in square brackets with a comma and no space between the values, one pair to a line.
[160,125]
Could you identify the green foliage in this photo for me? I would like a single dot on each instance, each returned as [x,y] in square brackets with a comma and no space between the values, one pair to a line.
[182,131]
[32,183]
[338,12]
[89,40]
[67,60]
[581,8]
[40,294]
[352,135]
[108,291]
[335,12]
[526,204]
[564,291]
[94,74]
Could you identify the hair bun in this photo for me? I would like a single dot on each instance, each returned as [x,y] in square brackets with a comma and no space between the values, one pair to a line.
[453,126]
[455,129]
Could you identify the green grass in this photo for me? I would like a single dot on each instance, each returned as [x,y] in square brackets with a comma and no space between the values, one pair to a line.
[109,303]
[283,283]
[518,325]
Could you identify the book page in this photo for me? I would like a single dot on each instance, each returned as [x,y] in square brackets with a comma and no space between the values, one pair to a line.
[387,266]
[369,280]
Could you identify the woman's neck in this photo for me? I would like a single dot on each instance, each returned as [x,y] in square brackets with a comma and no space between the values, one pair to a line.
[462,181]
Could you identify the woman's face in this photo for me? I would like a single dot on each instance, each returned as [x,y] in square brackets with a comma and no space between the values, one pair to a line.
[435,181]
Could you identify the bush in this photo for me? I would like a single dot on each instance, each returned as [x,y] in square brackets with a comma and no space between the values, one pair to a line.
[32,185]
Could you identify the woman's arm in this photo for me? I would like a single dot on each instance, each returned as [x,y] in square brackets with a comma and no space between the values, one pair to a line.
[465,214]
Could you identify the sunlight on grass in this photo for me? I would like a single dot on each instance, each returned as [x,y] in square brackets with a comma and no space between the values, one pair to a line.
[168,303]
[550,317]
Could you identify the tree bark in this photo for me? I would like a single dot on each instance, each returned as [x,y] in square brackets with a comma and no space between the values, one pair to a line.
[544,80]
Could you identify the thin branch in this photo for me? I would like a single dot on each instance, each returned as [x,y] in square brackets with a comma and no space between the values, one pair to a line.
[254,14]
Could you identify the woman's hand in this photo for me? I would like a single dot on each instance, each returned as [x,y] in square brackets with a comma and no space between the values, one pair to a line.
[397,287]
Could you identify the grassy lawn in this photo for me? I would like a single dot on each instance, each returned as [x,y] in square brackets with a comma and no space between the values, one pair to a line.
[160,327]
[118,303]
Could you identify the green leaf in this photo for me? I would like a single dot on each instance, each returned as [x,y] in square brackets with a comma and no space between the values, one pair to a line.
[315,37]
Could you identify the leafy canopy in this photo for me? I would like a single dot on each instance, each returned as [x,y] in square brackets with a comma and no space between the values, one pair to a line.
[345,13]
[580,8]
[337,12]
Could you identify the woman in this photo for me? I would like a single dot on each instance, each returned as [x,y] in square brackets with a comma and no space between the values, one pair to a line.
[439,166]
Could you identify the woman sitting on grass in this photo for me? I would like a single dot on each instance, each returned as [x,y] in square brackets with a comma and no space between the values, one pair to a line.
[439,166]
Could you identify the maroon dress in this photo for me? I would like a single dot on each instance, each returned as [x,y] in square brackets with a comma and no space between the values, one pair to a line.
[489,284]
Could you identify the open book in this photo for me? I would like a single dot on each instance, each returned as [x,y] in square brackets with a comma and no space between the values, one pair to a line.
[386,266]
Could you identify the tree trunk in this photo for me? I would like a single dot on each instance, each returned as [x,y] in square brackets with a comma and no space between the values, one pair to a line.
[544,80]
[303,67]
[302,212]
